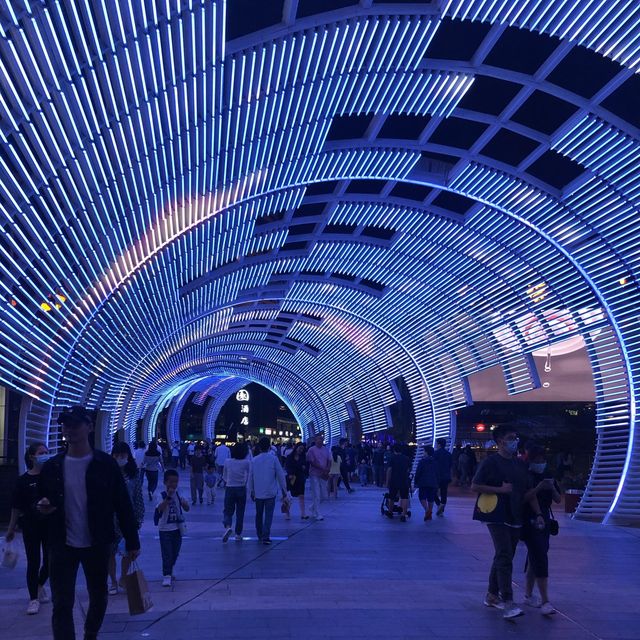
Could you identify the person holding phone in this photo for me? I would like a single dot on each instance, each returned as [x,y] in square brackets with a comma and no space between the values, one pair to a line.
[535,533]
[24,513]
[169,518]
[83,493]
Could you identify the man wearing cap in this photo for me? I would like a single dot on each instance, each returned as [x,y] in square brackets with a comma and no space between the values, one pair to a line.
[82,490]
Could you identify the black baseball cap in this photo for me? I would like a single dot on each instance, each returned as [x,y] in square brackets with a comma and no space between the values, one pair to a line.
[74,415]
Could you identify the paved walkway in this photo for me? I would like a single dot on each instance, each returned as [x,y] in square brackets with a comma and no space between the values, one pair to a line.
[357,575]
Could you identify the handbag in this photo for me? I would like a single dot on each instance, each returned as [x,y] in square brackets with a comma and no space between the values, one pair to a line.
[490,507]
[10,555]
[554,525]
[138,596]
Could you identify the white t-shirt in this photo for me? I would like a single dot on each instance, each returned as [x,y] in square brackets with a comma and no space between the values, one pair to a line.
[172,515]
[75,501]
[221,454]
[138,455]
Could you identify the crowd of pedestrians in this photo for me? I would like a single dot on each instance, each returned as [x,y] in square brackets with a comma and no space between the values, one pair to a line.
[83,507]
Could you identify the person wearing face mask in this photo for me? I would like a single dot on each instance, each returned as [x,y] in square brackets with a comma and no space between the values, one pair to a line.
[535,534]
[507,477]
[121,452]
[34,532]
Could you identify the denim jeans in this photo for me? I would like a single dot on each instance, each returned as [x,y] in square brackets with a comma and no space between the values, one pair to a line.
[264,517]
[441,498]
[197,486]
[170,543]
[318,490]
[152,481]
[63,571]
[505,540]
[344,473]
[235,500]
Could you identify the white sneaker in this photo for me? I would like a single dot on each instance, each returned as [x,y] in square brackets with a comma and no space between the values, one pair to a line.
[166,581]
[511,610]
[33,608]
[319,517]
[43,594]
[533,601]
[113,590]
[227,534]
[547,609]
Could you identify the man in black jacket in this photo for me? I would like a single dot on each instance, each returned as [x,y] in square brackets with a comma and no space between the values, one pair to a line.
[82,490]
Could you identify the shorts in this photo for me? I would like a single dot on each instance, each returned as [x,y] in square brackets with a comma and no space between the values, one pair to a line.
[427,493]
[403,491]
[537,551]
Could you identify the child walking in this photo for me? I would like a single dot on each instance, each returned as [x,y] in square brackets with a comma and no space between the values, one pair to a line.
[210,479]
[169,518]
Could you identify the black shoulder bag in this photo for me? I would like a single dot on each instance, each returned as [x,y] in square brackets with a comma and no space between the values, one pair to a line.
[554,526]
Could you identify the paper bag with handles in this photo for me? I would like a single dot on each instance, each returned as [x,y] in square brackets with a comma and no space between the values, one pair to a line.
[138,594]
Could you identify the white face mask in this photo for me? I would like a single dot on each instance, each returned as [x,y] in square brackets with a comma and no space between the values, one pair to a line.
[538,467]
[122,461]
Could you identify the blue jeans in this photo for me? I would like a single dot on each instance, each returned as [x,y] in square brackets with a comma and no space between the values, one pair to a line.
[170,543]
[264,517]
[235,500]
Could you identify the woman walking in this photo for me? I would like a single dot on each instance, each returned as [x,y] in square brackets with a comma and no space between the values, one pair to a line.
[334,471]
[34,531]
[296,468]
[535,533]
[235,474]
[132,478]
[152,465]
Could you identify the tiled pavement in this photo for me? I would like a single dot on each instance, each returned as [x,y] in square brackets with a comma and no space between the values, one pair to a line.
[358,575]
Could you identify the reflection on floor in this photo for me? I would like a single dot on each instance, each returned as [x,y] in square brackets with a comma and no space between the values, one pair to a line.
[359,575]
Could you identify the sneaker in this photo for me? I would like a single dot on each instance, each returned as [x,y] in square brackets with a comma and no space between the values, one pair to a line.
[547,609]
[266,541]
[33,608]
[491,600]
[403,518]
[166,581]
[238,537]
[304,517]
[533,601]
[227,534]
[113,590]
[440,511]
[511,610]
[43,594]
[319,517]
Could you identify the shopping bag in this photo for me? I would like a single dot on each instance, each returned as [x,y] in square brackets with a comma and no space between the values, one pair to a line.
[138,595]
[10,555]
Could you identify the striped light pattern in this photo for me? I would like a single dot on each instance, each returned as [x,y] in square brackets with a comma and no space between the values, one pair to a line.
[179,218]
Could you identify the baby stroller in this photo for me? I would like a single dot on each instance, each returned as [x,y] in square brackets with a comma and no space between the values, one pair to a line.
[396,506]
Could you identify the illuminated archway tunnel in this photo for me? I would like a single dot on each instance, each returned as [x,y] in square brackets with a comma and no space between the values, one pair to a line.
[322,202]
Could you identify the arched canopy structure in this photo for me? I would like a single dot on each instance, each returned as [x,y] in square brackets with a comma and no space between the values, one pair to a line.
[322,202]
